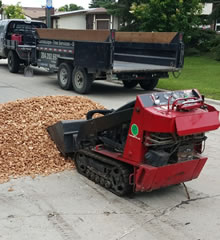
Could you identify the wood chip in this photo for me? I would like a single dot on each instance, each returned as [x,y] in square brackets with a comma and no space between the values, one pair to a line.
[25,146]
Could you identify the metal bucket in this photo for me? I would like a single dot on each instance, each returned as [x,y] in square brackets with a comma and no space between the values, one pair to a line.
[64,134]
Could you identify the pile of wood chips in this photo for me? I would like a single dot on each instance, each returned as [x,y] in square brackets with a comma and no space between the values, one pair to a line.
[25,146]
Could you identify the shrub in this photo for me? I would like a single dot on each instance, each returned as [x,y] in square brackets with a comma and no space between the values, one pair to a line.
[201,39]
[215,41]
[216,52]
[192,52]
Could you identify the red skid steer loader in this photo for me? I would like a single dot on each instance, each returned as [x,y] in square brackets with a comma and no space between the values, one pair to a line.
[152,142]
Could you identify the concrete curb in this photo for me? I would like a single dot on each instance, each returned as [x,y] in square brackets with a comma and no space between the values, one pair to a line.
[212,101]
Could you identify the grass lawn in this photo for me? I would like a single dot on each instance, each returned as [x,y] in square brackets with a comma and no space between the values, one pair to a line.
[201,73]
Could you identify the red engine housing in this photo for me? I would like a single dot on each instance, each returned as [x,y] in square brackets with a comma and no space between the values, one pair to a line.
[182,115]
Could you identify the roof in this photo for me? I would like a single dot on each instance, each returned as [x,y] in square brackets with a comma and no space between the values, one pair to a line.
[68,13]
[83,11]
[34,12]
[96,10]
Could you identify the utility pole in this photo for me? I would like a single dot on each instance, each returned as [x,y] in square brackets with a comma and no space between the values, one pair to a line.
[48,12]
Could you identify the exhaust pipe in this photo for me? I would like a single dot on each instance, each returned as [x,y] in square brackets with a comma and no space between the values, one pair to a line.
[64,134]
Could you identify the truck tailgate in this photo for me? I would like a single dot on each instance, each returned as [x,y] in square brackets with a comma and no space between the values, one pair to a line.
[120,66]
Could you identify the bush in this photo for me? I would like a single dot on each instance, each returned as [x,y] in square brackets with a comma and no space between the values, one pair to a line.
[216,52]
[192,52]
[215,41]
[201,39]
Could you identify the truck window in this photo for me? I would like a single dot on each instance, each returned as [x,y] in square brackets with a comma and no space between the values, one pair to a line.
[23,32]
[22,26]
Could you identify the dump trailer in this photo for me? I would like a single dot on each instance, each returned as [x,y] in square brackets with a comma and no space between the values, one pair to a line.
[152,142]
[82,56]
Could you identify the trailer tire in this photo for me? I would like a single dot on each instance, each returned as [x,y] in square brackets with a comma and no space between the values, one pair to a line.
[149,84]
[13,62]
[82,81]
[64,76]
[130,83]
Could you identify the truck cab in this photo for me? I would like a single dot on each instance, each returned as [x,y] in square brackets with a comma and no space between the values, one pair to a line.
[19,30]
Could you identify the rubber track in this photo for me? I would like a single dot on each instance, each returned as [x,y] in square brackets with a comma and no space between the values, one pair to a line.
[123,167]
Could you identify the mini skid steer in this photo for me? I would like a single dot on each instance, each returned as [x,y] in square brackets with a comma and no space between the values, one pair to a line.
[153,142]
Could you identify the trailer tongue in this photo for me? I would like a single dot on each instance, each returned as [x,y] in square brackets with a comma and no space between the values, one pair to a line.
[152,142]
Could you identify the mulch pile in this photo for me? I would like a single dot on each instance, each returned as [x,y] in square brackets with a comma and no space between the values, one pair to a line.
[25,146]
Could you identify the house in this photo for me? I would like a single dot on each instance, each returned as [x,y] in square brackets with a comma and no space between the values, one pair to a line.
[31,13]
[93,18]
[206,12]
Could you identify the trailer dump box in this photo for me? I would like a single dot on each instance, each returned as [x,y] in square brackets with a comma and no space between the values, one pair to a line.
[74,35]
[83,56]
[152,142]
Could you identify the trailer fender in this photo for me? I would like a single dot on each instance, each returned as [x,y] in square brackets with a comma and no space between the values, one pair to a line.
[61,60]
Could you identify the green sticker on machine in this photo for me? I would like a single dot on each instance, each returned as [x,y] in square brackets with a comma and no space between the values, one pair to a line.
[134,129]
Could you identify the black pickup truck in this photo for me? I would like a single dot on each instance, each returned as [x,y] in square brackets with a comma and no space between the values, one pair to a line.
[14,33]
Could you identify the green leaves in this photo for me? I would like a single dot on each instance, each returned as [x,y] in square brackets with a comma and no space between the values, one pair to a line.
[100,3]
[14,11]
[168,15]
[70,7]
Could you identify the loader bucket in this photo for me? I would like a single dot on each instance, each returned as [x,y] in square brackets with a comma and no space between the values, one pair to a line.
[64,133]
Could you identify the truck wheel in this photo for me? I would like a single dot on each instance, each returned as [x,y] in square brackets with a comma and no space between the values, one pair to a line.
[13,62]
[82,81]
[65,76]
[130,83]
[149,84]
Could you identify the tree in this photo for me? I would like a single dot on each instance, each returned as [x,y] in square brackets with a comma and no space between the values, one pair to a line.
[121,9]
[70,7]
[99,3]
[14,11]
[0,7]
[168,15]
[216,11]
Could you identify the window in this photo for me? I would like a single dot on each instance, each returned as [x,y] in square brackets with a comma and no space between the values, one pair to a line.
[102,24]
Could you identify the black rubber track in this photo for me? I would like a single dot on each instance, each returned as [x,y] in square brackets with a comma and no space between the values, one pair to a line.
[115,178]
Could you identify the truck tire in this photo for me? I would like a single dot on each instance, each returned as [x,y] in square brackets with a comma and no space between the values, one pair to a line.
[130,83]
[13,62]
[82,81]
[64,76]
[149,84]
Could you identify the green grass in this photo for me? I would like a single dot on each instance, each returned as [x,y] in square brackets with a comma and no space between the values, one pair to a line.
[201,73]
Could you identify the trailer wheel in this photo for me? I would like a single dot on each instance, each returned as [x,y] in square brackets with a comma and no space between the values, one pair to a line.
[130,83]
[82,81]
[65,76]
[13,62]
[149,84]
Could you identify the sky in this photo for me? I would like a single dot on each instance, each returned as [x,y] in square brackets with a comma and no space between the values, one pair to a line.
[39,3]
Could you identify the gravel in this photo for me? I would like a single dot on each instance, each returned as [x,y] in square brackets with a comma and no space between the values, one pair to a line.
[25,146]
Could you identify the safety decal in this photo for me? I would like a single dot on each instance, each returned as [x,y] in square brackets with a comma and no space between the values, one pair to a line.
[134,129]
